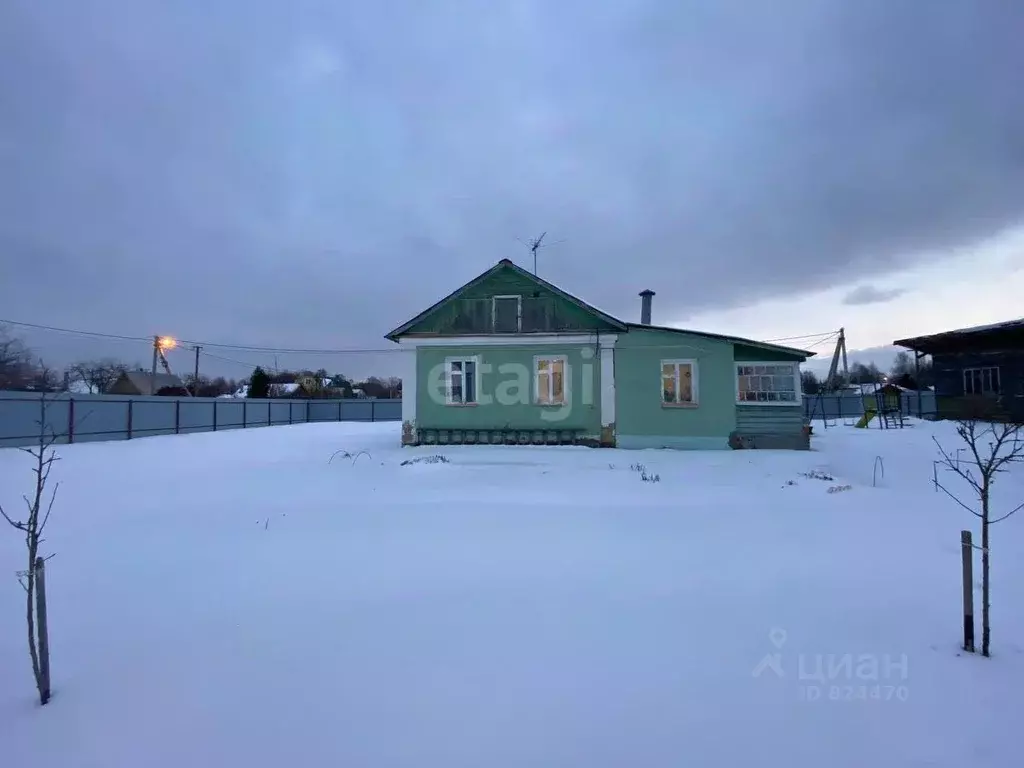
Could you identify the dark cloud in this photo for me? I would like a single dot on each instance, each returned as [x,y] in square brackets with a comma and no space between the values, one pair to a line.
[313,173]
[869,294]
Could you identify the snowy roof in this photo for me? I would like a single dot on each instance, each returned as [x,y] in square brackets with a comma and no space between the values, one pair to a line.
[919,343]
[142,380]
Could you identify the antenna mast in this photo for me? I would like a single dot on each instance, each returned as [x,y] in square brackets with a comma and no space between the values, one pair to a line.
[535,245]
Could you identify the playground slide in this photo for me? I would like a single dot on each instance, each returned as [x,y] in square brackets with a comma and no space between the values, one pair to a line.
[866,419]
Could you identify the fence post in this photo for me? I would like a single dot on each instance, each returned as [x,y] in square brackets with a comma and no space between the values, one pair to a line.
[339,410]
[290,404]
[967,550]
[245,415]
[307,411]
[42,631]
[270,421]
[177,417]
[130,403]
[71,419]
[214,415]
[372,412]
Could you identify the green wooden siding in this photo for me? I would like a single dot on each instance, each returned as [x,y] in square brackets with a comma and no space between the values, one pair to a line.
[769,419]
[450,317]
[642,421]
[507,390]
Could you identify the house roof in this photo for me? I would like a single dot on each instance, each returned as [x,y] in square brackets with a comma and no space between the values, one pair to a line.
[613,321]
[732,339]
[141,380]
[938,340]
[507,264]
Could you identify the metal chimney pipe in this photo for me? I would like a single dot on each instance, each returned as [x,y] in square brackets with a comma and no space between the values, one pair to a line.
[645,306]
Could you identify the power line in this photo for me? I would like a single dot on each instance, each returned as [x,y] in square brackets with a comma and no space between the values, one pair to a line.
[242,363]
[148,340]
[805,336]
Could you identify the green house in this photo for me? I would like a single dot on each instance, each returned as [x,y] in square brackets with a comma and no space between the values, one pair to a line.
[511,358]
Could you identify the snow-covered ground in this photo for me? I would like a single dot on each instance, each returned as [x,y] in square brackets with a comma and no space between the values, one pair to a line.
[234,599]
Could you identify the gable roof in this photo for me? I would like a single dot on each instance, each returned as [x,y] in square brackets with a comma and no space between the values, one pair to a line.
[731,339]
[613,321]
[140,380]
[507,264]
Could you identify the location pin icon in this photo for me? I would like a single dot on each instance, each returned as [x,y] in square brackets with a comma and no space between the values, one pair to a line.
[777,637]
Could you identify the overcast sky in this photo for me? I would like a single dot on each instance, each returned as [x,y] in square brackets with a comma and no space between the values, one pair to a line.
[311,174]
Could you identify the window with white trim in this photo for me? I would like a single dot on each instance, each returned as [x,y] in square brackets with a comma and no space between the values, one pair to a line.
[460,380]
[507,314]
[981,381]
[549,379]
[768,383]
[679,382]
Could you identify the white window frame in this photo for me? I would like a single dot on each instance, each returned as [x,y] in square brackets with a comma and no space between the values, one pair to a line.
[982,368]
[797,389]
[564,360]
[694,383]
[449,375]
[519,312]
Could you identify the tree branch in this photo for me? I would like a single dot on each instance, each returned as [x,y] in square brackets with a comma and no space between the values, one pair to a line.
[954,498]
[1000,519]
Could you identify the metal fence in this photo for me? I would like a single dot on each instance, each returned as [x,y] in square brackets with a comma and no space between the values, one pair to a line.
[851,406]
[90,418]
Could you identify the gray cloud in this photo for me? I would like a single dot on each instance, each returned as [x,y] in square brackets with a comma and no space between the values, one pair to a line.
[883,357]
[312,174]
[869,294]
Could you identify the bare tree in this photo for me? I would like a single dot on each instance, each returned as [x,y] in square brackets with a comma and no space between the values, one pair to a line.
[991,448]
[44,378]
[15,360]
[98,375]
[394,386]
[38,510]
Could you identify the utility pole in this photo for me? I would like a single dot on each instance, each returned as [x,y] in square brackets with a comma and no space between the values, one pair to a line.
[195,375]
[156,354]
[832,382]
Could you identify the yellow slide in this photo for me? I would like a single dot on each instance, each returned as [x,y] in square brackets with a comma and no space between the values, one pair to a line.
[866,419]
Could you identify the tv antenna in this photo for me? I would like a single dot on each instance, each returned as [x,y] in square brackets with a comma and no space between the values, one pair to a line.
[535,245]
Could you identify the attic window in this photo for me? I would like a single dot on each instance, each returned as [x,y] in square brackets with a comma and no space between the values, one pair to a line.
[507,314]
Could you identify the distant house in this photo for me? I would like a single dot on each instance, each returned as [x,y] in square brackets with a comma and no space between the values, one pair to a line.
[882,387]
[978,370]
[509,357]
[144,383]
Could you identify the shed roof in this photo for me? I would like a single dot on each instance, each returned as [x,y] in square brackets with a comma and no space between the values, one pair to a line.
[938,341]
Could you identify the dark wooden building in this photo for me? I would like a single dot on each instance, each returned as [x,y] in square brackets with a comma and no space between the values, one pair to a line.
[977,371]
